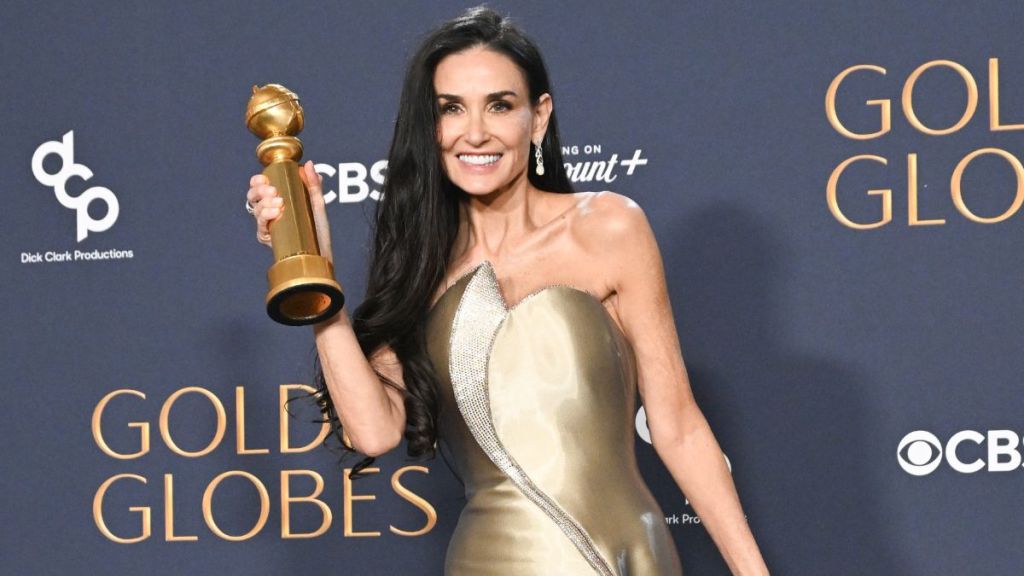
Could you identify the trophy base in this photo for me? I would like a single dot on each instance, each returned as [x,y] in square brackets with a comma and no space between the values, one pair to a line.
[303,290]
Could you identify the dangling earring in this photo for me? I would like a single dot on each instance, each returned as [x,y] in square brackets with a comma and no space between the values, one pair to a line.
[540,159]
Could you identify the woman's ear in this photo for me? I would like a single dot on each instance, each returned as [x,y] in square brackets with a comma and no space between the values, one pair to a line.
[541,114]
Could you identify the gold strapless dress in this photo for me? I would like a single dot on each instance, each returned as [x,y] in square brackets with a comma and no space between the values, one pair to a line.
[537,406]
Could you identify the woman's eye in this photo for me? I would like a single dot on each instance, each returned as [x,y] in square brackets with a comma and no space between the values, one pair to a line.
[449,108]
[501,106]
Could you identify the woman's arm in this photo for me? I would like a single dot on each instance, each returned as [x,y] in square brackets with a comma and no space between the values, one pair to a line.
[679,431]
[372,414]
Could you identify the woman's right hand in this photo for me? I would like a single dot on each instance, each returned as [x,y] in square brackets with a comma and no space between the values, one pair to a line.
[372,414]
[268,207]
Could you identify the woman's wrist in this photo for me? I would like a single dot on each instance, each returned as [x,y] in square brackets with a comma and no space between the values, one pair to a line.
[334,322]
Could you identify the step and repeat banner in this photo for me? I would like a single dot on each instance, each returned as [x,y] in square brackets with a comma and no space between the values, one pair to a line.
[836,190]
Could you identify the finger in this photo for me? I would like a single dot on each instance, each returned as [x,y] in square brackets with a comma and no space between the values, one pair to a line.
[310,177]
[269,212]
[264,192]
[258,180]
[309,173]
[253,197]
[262,228]
[311,170]
[316,199]
[316,191]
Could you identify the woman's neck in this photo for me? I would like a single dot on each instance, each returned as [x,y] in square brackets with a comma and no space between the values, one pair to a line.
[491,226]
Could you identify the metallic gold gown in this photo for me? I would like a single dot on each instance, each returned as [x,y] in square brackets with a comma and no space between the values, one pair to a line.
[537,407]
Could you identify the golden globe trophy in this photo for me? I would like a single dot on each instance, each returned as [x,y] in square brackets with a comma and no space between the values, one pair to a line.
[302,285]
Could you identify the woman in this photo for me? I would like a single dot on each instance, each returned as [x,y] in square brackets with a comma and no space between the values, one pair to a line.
[509,321]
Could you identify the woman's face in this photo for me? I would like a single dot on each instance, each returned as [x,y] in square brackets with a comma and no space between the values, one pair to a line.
[486,120]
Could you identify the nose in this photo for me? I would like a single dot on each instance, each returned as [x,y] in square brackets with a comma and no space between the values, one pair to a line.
[476,130]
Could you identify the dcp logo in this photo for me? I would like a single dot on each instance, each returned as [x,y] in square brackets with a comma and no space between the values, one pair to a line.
[65,149]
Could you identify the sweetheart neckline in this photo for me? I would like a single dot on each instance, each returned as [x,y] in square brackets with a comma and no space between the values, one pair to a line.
[472,271]
[536,292]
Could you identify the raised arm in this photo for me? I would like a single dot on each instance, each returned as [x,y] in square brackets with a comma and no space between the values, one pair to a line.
[679,431]
[372,413]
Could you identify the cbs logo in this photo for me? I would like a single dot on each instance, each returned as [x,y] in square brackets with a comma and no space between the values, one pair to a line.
[354,181]
[65,150]
[920,452]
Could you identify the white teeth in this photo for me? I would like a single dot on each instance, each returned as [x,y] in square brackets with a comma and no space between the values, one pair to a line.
[479,159]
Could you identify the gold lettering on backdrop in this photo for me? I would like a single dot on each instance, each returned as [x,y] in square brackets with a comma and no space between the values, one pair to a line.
[349,497]
[287,499]
[415,500]
[958,198]
[907,102]
[165,412]
[993,100]
[208,505]
[833,203]
[285,421]
[240,425]
[912,218]
[908,97]
[97,511]
[884,106]
[97,427]
[169,534]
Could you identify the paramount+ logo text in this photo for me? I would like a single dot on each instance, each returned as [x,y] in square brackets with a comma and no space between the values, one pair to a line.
[920,452]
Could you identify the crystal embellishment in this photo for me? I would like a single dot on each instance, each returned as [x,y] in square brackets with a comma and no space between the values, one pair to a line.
[480,313]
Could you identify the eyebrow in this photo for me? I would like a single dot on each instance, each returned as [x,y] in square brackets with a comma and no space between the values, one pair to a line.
[491,96]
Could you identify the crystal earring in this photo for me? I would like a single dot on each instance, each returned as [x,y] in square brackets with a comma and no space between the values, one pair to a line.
[540,159]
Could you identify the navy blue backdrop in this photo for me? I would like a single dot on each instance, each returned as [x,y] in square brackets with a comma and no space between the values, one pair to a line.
[858,358]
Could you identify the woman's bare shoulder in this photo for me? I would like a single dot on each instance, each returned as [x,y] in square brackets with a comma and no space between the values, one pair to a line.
[606,217]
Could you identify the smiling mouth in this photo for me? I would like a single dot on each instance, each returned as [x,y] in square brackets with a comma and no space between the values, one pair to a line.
[479,159]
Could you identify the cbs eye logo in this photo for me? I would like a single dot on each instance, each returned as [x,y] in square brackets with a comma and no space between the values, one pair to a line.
[65,150]
[919,453]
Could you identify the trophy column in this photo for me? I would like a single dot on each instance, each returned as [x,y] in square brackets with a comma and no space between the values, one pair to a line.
[302,285]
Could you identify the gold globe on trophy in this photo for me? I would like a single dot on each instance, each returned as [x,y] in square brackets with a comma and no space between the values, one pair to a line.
[302,285]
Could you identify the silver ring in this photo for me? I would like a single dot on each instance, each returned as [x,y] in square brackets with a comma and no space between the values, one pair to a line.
[249,208]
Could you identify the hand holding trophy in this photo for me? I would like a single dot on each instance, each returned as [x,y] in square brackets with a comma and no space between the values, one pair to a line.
[302,285]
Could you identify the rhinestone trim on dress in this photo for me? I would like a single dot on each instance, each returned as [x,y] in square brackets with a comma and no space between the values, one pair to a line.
[479,314]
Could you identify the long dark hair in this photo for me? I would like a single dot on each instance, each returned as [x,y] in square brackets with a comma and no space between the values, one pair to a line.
[418,217]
